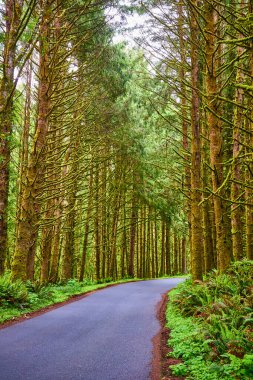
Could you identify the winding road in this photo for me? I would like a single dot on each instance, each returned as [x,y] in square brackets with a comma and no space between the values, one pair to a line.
[105,336]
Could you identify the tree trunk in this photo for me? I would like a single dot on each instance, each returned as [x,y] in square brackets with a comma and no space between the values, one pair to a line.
[215,136]
[184,262]
[176,254]
[196,214]
[236,189]
[167,249]
[249,162]
[87,225]
[30,210]
[134,220]
[162,267]
[13,11]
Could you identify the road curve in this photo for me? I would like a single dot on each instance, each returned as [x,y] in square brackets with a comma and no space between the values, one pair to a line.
[105,336]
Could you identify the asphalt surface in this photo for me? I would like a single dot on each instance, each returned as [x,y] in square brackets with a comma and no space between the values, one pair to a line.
[105,336]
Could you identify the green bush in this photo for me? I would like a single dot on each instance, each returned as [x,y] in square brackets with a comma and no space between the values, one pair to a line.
[13,293]
[39,292]
[220,310]
[105,280]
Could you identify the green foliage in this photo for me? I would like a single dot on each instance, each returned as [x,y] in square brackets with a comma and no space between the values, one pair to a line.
[12,293]
[188,343]
[179,369]
[38,292]
[212,325]
[242,368]
[147,137]
[71,287]
[105,280]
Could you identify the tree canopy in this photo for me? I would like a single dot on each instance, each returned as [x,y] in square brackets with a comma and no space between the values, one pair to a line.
[119,161]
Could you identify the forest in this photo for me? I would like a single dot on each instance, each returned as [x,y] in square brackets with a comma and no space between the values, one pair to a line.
[121,162]
[127,160]
[86,185]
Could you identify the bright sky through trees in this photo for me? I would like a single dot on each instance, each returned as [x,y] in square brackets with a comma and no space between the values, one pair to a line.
[128,26]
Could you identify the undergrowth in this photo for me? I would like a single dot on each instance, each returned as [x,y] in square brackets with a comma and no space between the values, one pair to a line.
[211,325]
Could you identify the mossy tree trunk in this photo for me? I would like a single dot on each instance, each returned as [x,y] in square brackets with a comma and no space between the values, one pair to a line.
[13,12]
[196,212]
[215,136]
[27,225]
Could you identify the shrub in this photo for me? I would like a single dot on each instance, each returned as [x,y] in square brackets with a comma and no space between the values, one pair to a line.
[12,293]
[222,308]
[105,280]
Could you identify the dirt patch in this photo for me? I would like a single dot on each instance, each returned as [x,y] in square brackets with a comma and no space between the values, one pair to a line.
[161,352]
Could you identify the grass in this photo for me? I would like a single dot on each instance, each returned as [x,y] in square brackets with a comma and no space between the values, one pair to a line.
[211,325]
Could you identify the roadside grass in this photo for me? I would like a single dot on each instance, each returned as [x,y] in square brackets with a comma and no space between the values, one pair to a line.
[211,325]
[186,276]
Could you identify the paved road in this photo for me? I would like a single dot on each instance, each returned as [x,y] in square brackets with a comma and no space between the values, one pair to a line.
[105,336]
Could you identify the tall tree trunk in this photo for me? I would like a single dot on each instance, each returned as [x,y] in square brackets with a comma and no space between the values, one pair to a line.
[156,247]
[236,189]
[141,243]
[70,221]
[55,257]
[249,163]
[87,224]
[162,267]
[184,263]
[152,247]
[215,136]
[69,250]
[30,211]
[209,246]
[113,239]
[13,11]
[176,254]
[167,249]
[134,220]
[184,108]
[148,273]
[97,228]
[46,249]
[196,214]
[209,259]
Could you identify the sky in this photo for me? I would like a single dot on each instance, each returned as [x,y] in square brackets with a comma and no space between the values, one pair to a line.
[130,25]
[138,31]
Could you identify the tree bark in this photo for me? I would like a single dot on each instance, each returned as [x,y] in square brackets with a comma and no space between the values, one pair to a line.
[13,11]
[30,210]
[215,136]
[87,225]
[134,220]
[236,189]
[196,214]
